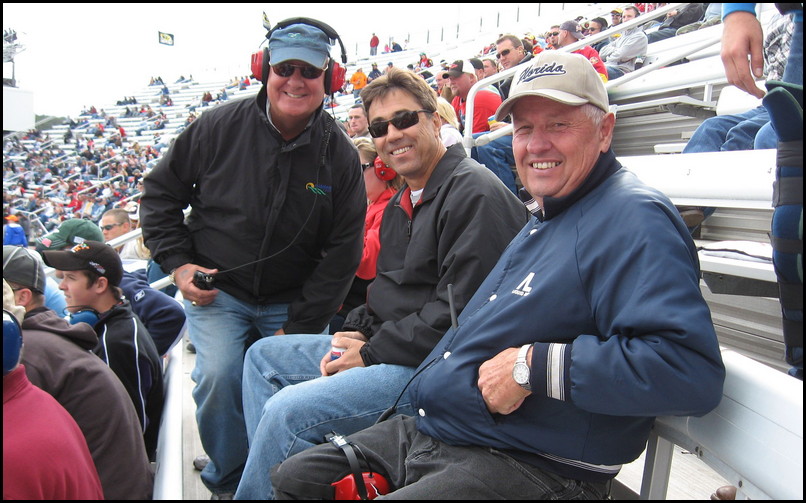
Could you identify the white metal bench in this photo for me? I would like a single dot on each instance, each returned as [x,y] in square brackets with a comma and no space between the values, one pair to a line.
[754,438]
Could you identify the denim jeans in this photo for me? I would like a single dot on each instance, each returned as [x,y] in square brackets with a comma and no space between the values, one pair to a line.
[728,132]
[289,407]
[221,331]
[613,72]
[419,467]
[497,157]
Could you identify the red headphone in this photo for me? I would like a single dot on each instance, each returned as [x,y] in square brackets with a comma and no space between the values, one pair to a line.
[334,75]
[383,171]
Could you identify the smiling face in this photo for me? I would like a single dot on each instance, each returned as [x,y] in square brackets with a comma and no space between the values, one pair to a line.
[294,99]
[414,151]
[555,145]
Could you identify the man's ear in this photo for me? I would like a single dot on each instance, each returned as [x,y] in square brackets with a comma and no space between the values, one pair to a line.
[24,297]
[101,285]
[606,131]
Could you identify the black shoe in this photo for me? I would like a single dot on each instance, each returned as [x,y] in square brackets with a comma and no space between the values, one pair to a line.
[201,461]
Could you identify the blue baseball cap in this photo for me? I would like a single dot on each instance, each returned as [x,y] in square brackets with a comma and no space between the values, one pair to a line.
[299,42]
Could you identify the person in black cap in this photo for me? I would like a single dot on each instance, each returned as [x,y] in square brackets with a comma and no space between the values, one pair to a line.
[277,204]
[91,277]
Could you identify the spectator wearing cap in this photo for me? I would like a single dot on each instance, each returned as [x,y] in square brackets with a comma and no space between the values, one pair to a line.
[68,234]
[571,33]
[616,16]
[91,274]
[374,73]
[58,359]
[462,74]
[276,162]
[506,409]
[13,233]
[45,455]
[162,315]
[620,54]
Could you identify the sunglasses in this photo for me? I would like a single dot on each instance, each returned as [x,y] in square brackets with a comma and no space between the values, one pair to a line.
[108,227]
[554,33]
[503,53]
[287,69]
[401,120]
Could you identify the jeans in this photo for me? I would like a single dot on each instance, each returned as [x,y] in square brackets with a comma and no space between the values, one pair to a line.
[728,132]
[220,331]
[497,157]
[289,407]
[660,34]
[613,72]
[419,467]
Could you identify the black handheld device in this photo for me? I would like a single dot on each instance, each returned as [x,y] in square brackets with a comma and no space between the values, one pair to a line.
[203,280]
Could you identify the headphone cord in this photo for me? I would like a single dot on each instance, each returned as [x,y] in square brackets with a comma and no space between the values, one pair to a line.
[323,153]
[455,325]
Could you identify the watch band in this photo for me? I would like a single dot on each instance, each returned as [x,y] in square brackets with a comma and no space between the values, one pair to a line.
[522,366]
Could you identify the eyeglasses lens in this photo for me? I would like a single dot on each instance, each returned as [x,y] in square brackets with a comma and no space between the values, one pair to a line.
[287,69]
[503,53]
[401,120]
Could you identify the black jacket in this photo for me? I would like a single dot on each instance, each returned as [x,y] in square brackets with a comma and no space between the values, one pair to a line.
[461,225]
[297,205]
[126,346]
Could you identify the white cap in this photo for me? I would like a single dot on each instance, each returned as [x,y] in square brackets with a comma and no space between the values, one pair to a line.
[560,76]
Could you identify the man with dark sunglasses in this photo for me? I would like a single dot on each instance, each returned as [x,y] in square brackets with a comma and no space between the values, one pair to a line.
[278,204]
[447,226]
[497,154]
[553,374]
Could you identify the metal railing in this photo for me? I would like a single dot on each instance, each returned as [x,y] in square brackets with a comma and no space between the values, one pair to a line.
[468,140]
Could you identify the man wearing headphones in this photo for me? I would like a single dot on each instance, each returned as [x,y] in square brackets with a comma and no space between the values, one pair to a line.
[447,226]
[277,217]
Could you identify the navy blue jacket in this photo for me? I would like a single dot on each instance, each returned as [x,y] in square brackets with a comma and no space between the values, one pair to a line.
[162,315]
[605,283]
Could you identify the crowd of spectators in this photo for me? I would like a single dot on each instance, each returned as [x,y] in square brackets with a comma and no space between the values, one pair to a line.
[45,185]
[95,165]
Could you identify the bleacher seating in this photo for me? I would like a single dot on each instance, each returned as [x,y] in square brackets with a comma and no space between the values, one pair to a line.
[656,113]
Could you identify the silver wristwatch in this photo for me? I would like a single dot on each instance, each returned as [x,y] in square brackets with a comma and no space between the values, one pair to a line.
[521,372]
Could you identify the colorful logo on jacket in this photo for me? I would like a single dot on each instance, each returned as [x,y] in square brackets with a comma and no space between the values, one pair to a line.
[320,190]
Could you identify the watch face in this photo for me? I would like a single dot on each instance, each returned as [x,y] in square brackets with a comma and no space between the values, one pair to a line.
[521,373]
